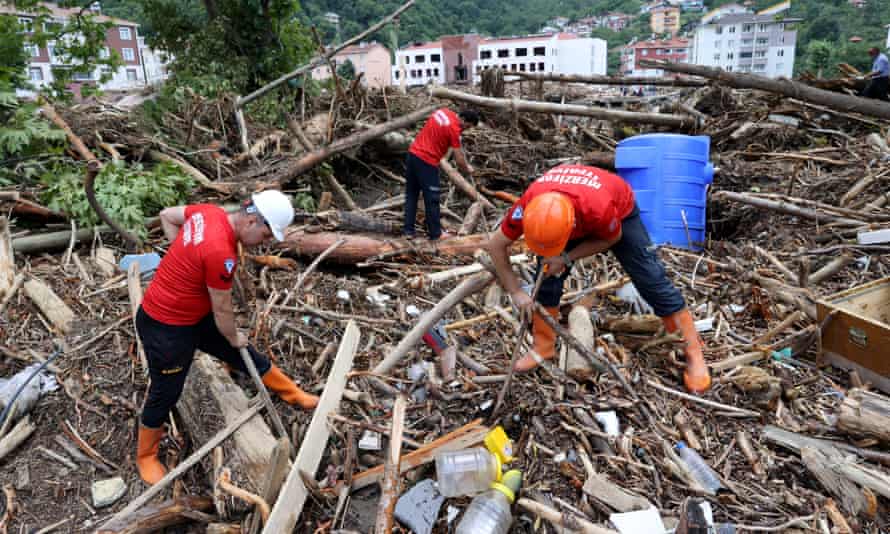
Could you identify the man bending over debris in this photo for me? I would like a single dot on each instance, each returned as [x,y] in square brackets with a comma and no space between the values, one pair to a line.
[441,132]
[573,212]
[188,306]
[879,77]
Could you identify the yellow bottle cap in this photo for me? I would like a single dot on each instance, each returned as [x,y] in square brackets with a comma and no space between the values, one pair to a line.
[511,483]
[497,442]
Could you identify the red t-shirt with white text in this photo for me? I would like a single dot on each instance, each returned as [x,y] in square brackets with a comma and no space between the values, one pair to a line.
[441,132]
[601,200]
[204,254]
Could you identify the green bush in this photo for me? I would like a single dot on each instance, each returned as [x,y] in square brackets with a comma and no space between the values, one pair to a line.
[129,194]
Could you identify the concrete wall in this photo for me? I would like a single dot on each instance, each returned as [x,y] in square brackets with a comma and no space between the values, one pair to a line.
[459,53]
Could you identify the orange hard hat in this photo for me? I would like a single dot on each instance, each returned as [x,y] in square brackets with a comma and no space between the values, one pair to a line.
[547,223]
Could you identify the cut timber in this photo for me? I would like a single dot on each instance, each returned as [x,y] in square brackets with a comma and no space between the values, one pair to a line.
[624,117]
[18,434]
[106,262]
[609,80]
[634,324]
[473,433]
[463,290]
[391,483]
[782,86]
[820,462]
[464,185]
[34,244]
[603,490]
[157,517]
[358,248]
[863,413]
[275,475]
[289,506]
[471,219]
[566,521]
[7,261]
[188,169]
[831,268]
[54,308]
[795,442]
[784,207]
[209,387]
[580,325]
[134,289]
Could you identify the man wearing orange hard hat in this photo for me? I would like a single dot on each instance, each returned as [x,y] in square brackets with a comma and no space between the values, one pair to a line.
[576,211]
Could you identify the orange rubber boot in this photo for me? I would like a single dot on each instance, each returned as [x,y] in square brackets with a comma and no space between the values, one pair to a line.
[289,392]
[697,378]
[545,342]
[151,470]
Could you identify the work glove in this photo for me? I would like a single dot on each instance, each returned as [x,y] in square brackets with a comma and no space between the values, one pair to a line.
[628,293]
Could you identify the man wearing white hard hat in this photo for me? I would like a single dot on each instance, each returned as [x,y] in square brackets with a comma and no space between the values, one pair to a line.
[188,306]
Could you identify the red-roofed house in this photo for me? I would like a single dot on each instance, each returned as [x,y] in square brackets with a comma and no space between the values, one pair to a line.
[371,59]
[675,50]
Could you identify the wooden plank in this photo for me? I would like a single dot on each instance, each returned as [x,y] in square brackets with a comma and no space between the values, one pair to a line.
[293,495]
[7,261]
[390,486]
[134,289]
[275,475]
[54,308]
[468,435]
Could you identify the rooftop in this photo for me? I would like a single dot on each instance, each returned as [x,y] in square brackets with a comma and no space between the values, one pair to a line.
[751,17]
[360,49]
[57,12]
[665,43]
[424,46]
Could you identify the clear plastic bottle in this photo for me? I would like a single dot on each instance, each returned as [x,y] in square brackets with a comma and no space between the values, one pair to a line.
[466,472]
[489,513]
[702,472]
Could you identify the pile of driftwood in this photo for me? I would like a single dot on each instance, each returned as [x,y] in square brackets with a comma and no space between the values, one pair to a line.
[343,304]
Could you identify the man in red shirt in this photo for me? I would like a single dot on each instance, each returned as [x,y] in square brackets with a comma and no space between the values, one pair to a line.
[188,306]
[440,133]
[573,212]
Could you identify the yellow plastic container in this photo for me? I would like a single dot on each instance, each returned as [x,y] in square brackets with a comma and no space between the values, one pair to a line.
[497,443]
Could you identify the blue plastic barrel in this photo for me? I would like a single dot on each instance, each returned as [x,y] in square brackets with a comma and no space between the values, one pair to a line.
[669,174]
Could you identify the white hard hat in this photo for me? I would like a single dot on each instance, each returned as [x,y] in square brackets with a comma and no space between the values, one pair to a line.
[275,208]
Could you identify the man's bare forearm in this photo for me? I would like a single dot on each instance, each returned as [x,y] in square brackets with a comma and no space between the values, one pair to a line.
[589,248]
[501,259]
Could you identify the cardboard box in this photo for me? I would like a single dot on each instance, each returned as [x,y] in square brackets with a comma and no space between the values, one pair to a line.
[858,336]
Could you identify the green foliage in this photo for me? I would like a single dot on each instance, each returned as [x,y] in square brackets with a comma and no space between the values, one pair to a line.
[128,193]
[819,55]
[346,70]
[13,58]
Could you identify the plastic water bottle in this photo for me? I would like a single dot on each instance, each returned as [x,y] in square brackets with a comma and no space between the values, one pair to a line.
[466,472]
[700,470]
[489,513]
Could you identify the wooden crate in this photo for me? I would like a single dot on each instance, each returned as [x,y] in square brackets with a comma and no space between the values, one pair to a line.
[858,336]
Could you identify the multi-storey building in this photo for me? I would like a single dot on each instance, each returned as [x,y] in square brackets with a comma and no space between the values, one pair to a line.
[762,44]
[676,50]
[372,60]
[419,64]
[563,53]
[122,38]
[665,19]
[459,53]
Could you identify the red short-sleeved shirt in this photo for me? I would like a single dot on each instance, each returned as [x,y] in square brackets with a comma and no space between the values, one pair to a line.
[601,200]
[441,132]
[204,254]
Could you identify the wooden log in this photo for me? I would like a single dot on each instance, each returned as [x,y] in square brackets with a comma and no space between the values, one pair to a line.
[621,117]
[782,86]
[134,290]
[7,260]
[569,522]
[458,272]
[795,442]
[16,436]
[34,244]
[289,506]
[819,462]
[864,413]
[750,453]
[209,386]
[464,185]
[784,207]
[463,290]
[789,275]
[466,436]
[471,219]
[609,80]
[634,324]
[316,157]
[580,325]
[358,248]
[831,268]
[157,517]
[340,191]
[54,308]
[391,483]
[106,262]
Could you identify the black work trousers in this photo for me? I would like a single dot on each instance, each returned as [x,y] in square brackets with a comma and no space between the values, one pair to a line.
[877,88]
[170,350]
[420,176]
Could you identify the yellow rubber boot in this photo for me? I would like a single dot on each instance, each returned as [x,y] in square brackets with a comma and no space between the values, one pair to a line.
[289,392]
[697,377]
[151,470]
[544,342]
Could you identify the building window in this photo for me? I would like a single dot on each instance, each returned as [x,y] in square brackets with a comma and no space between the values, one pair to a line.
[762,41]
[719,30]
[522,67]
[513,67]
[32,49]
[730,56]
[436,72]
[407,60]
[747,42]
[716,57]
[780,53]
[747,28]
[51,51]
[521,52]
[435,58]
[541,67]
[485,54]
[732,29]
[540,50]
[531,67]
[504,52]
[35,74]
[129,55]
[396,75]
[760,67]
[761,27]
[105,53]
[81,76]
[745,55]
[131,75]
[782,27]
[27,24]
[124,33]
[729,68]
[429,73]
[760,53]
[644,52]
[782,39]
[419,59]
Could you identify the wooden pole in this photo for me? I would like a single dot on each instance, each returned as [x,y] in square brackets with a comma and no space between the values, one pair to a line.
[263,393]
[464,185]
[782,86]
[566,521]
[389,487]
[609,80]
[784,207]
[623,117]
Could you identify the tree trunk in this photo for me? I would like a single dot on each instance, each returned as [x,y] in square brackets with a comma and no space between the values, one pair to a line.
[155,518]
[782,86]
[621,117]
[54,308]
[7,261]
[609,80]
[581,327]
[209,390]
[864,413]
[358,248]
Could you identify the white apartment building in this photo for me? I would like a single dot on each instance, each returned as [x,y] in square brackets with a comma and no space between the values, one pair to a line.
[419,64]
[746,42]
[562,53]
